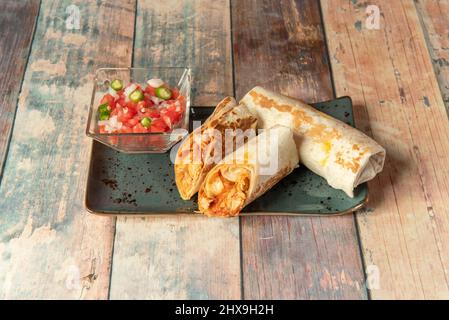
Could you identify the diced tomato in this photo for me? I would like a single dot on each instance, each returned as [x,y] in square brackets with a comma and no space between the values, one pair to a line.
[148,112]
[121,101]
[173,113]
[132,122]
[109,99]
[150,90]
[154,113]
[114,112]
[174,116]
[126,129]
[142,105]
[131,105]
[172,107]
[125,114]
[167,120]
[182,101]
[158,125]
[102,129]
[163,116]
[174,93]
[138,128]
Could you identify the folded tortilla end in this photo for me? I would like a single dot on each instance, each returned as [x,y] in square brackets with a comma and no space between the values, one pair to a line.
[332,149]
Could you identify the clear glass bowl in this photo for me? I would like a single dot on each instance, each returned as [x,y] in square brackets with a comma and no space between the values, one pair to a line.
[152,142]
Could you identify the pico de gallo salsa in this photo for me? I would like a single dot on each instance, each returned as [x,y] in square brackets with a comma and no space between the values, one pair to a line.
[154,107]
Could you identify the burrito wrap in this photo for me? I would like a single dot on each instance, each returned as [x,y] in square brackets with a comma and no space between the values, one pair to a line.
[341,154]
[196,156]
[247,173]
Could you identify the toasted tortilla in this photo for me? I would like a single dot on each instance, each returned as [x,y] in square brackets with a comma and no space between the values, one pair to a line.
[247,173]
[341,154]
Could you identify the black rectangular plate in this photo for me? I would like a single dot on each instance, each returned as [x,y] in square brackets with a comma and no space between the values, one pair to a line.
[143,184]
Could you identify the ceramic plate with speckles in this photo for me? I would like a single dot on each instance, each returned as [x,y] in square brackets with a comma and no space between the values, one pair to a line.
[143,184]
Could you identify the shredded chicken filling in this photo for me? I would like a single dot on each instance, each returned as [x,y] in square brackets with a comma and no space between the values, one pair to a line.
[226,191]
[190,165]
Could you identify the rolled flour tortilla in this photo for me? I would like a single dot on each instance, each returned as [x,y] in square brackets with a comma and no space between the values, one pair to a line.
[247,173]
[341,154]
[201,150]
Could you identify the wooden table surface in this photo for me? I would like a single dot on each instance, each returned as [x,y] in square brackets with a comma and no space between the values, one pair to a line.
[397,73]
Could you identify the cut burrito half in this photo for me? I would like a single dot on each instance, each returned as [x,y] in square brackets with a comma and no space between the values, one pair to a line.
[246,174]
[205,146]
[341,154]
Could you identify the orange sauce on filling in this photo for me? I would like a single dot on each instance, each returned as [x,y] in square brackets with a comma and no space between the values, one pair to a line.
[221,204]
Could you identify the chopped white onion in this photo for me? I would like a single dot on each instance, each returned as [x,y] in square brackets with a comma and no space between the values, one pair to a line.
[111,125]
[156,100]
[113,93]
[163,104]
[155,83]
[167,121]
[130,89]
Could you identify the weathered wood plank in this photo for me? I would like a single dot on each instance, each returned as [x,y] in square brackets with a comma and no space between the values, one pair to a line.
[434,19]
[49,246]
[388,73]
[280,45]
[191,33]
[14,50]
[181,257]
[176,258]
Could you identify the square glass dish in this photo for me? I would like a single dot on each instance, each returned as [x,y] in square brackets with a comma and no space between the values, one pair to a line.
[134,142]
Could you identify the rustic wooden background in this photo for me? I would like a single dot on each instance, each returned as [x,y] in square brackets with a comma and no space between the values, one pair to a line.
[397,76]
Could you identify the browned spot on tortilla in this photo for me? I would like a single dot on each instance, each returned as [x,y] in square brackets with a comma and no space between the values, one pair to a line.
[354,163]
[322,133]
[221,105]
[318,132]
[265,102]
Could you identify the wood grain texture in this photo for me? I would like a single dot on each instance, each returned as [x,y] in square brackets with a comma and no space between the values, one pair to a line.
[14,50]
[434,19]
[176,258]
[388,73]
[181,257]
[194,33]
[49,246]
[280,45]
